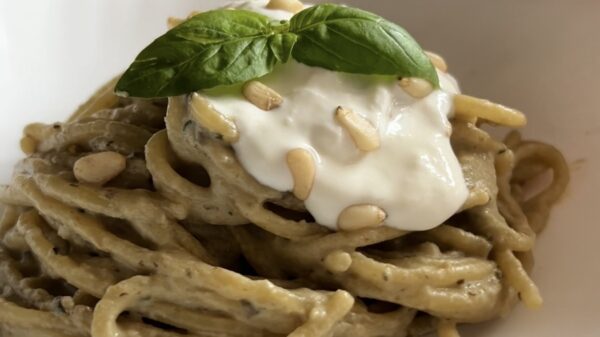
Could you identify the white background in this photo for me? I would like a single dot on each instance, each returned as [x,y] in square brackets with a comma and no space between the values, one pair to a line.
[542,57]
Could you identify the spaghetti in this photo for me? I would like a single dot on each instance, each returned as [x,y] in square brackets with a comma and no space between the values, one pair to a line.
[181,240]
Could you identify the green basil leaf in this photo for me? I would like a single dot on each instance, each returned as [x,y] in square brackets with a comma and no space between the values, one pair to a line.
[282,45]
[352,40]
[214,48]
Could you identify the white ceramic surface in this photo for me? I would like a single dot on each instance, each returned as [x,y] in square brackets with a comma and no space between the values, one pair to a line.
[540,56]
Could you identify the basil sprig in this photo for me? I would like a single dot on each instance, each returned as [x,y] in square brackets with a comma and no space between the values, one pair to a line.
[224,47]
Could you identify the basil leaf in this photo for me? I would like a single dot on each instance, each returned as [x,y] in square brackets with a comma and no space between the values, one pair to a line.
[214,48]
[282,45]
[352,40]
[224,47]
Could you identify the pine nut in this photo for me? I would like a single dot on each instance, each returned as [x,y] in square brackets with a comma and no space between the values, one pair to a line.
[173,22]
[338,261]
[99,168]
[293,6]
[28,145]
[362,132]
[469,107]
[361,216]
[302,166]
[437,61]
[212,120]
[416,87]
[261,95]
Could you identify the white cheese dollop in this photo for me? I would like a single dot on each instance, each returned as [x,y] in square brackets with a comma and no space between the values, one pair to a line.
[414,176]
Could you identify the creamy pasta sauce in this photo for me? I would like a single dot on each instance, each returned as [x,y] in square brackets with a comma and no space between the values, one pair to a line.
[147,253]
[414,176]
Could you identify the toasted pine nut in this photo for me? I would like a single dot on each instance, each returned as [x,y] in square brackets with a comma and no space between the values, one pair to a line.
[302,167]
[363,133]
[261,95]
[338,261]
[212,119]
[173,22]
[437,61]
[416,87]
[293,6]
[28,145]
[360,216]
[99,168]
[468,106]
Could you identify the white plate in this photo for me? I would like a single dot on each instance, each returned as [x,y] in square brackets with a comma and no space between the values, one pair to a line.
[538,56]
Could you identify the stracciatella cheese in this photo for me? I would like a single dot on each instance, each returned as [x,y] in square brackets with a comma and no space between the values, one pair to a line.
[414,175]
